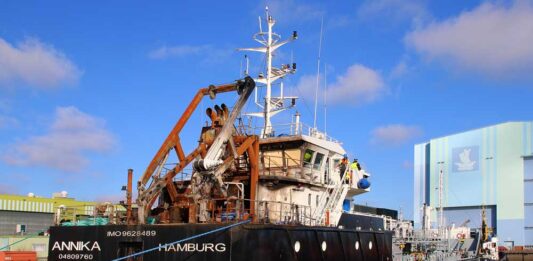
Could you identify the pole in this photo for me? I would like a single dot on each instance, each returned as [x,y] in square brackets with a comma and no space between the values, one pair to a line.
[318,73]
[441,207]
[325,101]
[440,202]
[268,125]
[128,196]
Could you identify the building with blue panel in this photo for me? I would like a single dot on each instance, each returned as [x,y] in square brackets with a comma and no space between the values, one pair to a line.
[489,168]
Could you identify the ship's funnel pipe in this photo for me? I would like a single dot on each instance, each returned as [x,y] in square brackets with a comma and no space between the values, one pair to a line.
[220,115]
[219,110]
[128,197]
[225,110]
[211,114]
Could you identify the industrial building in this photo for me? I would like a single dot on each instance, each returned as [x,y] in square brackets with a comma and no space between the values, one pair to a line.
[32,215]
[24,220]
[489,168]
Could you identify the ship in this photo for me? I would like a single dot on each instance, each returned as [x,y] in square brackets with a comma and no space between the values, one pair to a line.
[276,192]
[442,242]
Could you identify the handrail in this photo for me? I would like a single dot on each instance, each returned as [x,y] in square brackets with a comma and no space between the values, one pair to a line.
[276,212]
[330,199]
[292,129]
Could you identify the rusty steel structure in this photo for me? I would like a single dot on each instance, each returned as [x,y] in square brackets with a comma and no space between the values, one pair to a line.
[223,156]
[129,216]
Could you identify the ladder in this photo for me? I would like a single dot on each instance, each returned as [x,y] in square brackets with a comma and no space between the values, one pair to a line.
[335,203]
[331,198]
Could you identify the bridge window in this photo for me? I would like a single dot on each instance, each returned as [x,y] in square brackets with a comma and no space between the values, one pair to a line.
[308,157]
[318,160]
[336,162]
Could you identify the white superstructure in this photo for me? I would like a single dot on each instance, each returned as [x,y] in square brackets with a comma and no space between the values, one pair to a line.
[300,167]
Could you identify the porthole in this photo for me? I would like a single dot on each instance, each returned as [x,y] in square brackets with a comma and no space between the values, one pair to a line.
[356,245]
[297,246]
[324,246]
[370,245]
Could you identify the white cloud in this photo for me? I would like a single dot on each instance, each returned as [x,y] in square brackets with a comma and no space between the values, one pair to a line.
[71,135]
[306,86]
[291,11]
[359,85]
[394,134]
[407,164]
[207,53]
[414,11]
[114,198]
[8,189]
[492,39]
[164,52]
[400,69]
[35,63]
[8,122]
[5,105]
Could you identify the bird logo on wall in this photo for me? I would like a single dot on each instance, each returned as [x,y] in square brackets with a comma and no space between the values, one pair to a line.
[465,162]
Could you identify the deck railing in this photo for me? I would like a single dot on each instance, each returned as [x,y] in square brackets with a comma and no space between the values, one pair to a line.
[291,129]
[265,212]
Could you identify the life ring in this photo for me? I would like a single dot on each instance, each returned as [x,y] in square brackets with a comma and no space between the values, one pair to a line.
[460,236]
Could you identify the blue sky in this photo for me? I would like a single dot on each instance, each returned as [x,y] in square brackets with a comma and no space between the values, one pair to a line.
[88,90]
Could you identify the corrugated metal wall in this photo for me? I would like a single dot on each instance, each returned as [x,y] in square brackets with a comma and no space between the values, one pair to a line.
[24,205]
[35,222]
[487,166]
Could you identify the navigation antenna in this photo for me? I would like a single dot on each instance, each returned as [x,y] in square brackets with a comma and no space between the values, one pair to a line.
[325,100]
[318,72]
[271,105]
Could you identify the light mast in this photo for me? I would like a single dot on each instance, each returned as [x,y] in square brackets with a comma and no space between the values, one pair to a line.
[271,105]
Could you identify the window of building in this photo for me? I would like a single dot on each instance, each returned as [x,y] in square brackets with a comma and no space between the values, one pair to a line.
[309,199]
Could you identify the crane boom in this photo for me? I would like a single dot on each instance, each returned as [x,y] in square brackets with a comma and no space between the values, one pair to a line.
[210,162]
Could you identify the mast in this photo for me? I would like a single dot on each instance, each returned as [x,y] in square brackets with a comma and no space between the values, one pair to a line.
[268,110]
[441,211]
[271,105]
[325,101]
[441,223]
[318,74]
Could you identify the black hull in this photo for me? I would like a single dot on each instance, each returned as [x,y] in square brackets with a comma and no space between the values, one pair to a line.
[245,242]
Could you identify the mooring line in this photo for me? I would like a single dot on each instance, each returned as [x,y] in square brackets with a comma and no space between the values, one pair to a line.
[182,240]
[27,237]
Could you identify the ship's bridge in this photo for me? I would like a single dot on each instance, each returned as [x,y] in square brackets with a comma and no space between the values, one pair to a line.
[301,154]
